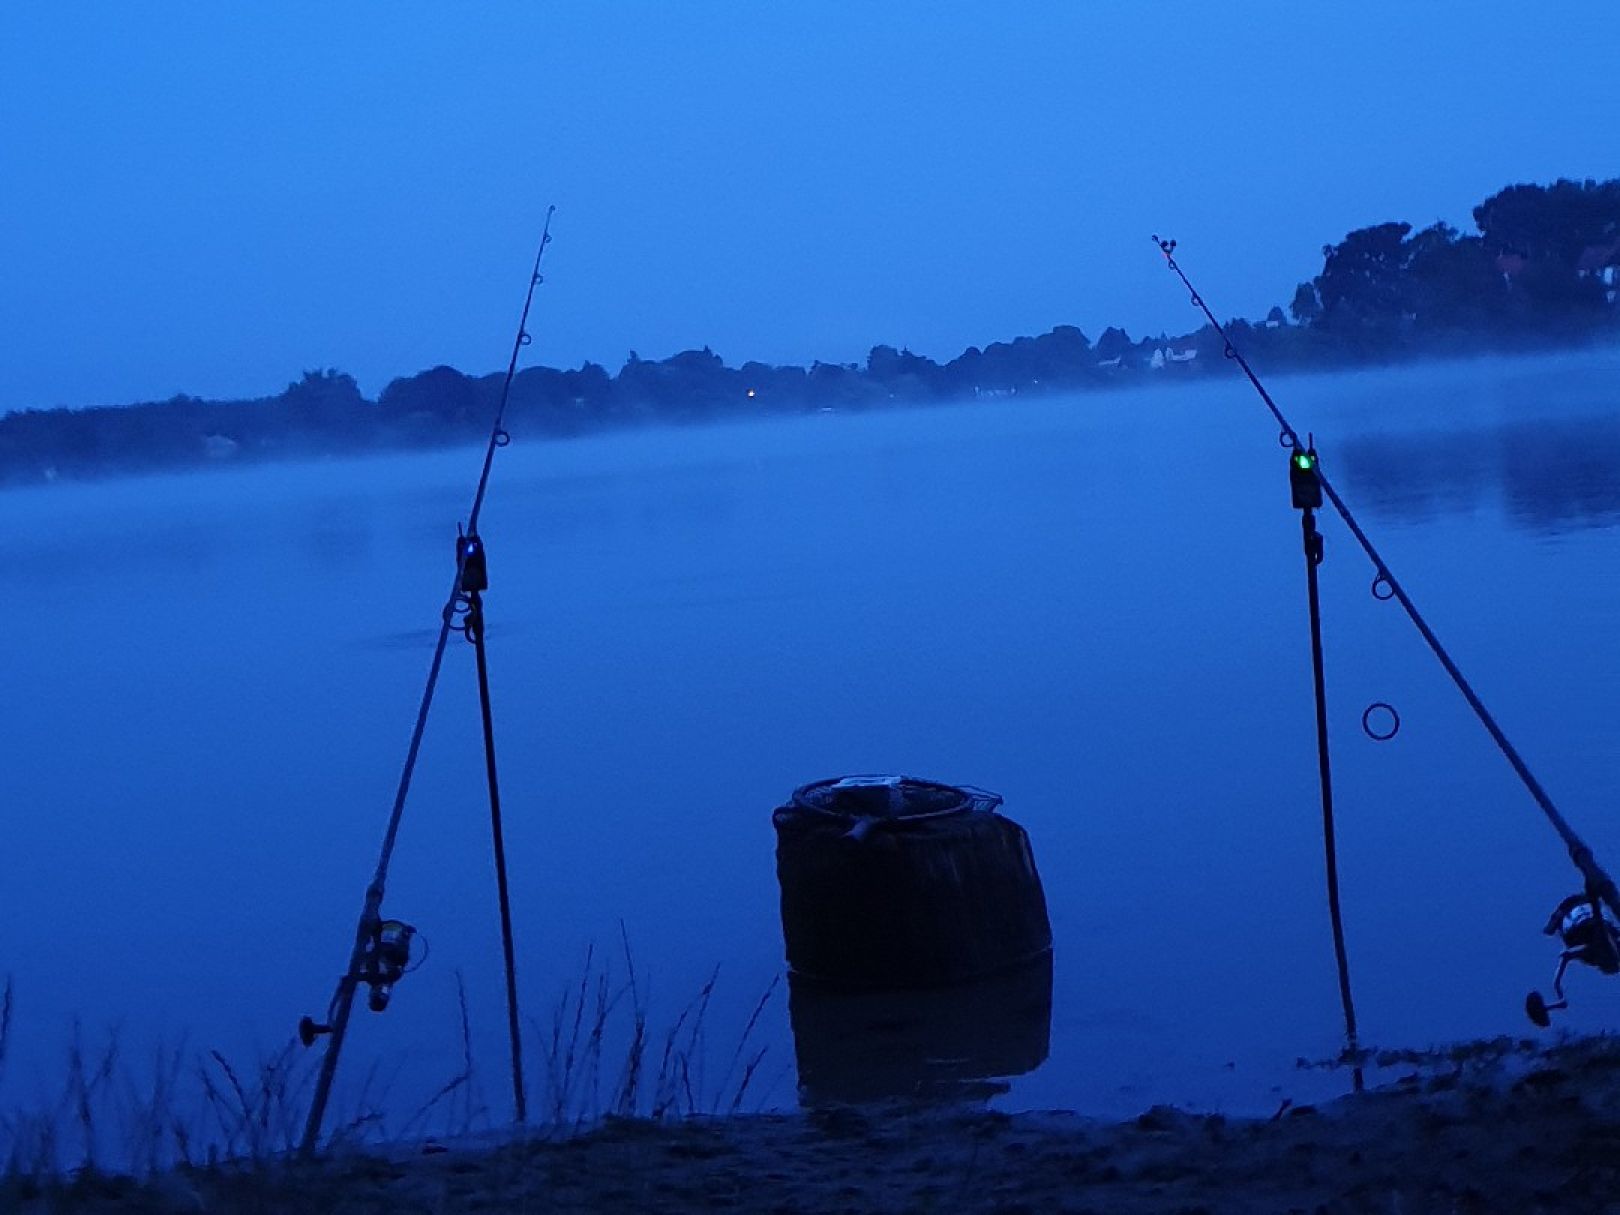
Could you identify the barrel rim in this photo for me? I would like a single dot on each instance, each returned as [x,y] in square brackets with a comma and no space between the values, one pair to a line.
[970,798]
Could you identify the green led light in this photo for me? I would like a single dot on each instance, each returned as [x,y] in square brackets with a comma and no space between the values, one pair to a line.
[1304,459]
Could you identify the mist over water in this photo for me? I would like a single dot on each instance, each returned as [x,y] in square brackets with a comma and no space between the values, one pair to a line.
[1093,605]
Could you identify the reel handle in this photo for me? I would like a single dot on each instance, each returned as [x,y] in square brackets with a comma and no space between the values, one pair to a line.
[309,1030]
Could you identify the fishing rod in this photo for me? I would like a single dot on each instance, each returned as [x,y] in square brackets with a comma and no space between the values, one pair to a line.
[380,955]
[1593,938]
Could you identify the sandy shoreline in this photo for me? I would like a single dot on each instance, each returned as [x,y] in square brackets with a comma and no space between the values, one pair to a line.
[1513,1130]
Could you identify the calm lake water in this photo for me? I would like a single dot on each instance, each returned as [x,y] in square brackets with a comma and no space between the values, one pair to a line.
[1092,605]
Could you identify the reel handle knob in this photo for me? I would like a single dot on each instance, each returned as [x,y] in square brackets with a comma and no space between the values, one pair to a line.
[309,1030]
[1539,1011]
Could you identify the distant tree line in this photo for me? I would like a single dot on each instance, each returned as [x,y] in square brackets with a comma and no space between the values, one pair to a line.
[1540,272]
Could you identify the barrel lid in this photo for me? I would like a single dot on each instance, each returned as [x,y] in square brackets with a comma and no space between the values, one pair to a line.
[890,796]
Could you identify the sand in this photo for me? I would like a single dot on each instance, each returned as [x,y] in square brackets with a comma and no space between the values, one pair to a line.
[1509,1129]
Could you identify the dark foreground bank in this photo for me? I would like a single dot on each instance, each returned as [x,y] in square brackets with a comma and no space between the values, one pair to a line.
[1510,1130]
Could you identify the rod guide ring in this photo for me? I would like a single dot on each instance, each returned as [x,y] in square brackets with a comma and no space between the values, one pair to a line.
[1367,721]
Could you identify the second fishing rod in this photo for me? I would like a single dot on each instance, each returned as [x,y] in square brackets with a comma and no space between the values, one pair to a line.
[381,953]
[1599,894]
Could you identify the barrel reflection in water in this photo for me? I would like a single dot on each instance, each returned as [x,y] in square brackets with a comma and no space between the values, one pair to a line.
[939,1044]
[917,938]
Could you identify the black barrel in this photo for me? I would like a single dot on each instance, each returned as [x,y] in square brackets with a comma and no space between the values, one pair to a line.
[893,883]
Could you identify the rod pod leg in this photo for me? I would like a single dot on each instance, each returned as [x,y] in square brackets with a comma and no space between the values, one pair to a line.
[1307,495]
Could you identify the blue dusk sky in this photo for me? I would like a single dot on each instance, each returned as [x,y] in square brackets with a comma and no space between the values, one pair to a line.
[210,198]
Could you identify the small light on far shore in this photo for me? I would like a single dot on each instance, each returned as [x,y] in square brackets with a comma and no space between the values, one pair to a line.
[751,394]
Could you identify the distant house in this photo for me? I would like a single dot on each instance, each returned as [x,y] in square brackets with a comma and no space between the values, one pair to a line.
[1166,355]
[1511,265]
[1602,262]
[1599,259]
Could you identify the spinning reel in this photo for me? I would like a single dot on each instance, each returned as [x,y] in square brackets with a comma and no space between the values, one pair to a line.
[387,960]
[1590,935]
